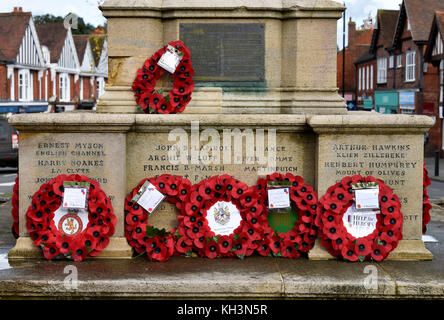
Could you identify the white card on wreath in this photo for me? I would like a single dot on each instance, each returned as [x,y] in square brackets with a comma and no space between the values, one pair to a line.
[367,198]
[170,60]
[75,198]
[278,198]
[151,198]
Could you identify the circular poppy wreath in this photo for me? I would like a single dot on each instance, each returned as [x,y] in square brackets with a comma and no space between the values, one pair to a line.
[301,238]
[426,206]
[158,244]
[195,234]
[334,235]
[15,208]
[153,101]
[44,233]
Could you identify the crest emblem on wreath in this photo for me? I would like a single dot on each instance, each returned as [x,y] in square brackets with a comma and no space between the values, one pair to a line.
[222,214]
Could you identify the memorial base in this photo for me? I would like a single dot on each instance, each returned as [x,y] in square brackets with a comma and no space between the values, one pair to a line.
[407,250]
[118,248]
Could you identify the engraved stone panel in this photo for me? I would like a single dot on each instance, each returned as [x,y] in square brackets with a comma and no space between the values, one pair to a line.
[397,160]
[47,155]
[226,51]
[148,156]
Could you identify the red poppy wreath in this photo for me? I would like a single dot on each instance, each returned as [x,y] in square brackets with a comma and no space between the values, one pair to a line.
[301,238]
[15,208]
[152,100]
[375,242]
[221,217]
[73,235]
[426,206]
[158,244]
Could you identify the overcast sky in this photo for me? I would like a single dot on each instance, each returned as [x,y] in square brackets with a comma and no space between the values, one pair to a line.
[89,11]
[358,10]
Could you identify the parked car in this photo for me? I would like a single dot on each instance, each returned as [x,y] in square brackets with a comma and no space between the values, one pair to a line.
[8,144]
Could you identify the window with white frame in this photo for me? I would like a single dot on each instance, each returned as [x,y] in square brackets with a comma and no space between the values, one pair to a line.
[64,92]
[25,85]
[391,62]
[359,79]
[100,86]
[410,66]
[382,70]
[367,79]
[363,79]
[371,77]
[441,82]
[399,61]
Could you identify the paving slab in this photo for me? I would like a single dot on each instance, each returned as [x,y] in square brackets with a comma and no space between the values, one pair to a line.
[197,278]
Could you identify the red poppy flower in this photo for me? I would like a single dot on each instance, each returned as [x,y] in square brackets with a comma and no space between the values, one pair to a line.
[288,250]
[274,243]
[238,190]
[225,244]
[263,249]
[64,244]
[240,246]
[164,107]
[206,190]
[160,253]
[79,252]
[363,247]
[349,253]
[155,101]
[378,252]
[102,243]
[334,206]
[200,242]
[393,222]
[184,244]
[191,208]
[50,251]
[211,249]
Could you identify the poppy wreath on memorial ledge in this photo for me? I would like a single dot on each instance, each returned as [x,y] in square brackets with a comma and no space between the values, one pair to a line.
[194,232]
[426,206]
[15,208]
[55,245]
[153,101]
[334,235]
[158,244]
[301,238]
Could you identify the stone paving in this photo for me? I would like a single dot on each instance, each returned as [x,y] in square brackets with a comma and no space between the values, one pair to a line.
[254,277]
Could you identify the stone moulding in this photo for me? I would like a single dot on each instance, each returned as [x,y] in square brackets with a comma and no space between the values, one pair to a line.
[275,9]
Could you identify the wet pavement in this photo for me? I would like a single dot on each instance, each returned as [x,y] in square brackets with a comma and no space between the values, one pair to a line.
[254,277]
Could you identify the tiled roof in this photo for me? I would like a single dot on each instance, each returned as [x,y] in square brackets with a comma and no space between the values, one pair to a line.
[81,42]
[440,22]
[387,21]
[420,14]
[365,57]
[53,36]
[12,28]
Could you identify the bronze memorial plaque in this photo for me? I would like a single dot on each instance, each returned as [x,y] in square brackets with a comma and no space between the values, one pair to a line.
[226,51]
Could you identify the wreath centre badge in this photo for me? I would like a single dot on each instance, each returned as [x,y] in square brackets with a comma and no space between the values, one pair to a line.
[223,218]
[71,222]
[221,213]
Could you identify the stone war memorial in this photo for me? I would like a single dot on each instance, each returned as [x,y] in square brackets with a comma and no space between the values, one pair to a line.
[264,100]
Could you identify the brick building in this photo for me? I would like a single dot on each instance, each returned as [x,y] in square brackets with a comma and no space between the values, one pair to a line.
[435,55]
[87,80]
[42,65]
[358,43]
[368,79]
[22,66]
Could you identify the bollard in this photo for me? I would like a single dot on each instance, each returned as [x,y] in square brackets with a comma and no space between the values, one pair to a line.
[436,162]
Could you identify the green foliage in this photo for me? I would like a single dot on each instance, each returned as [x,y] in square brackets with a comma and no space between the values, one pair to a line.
[82,27]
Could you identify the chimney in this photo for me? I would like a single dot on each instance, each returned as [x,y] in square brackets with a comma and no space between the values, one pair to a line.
[351,31]
[15,9]
[20,9]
